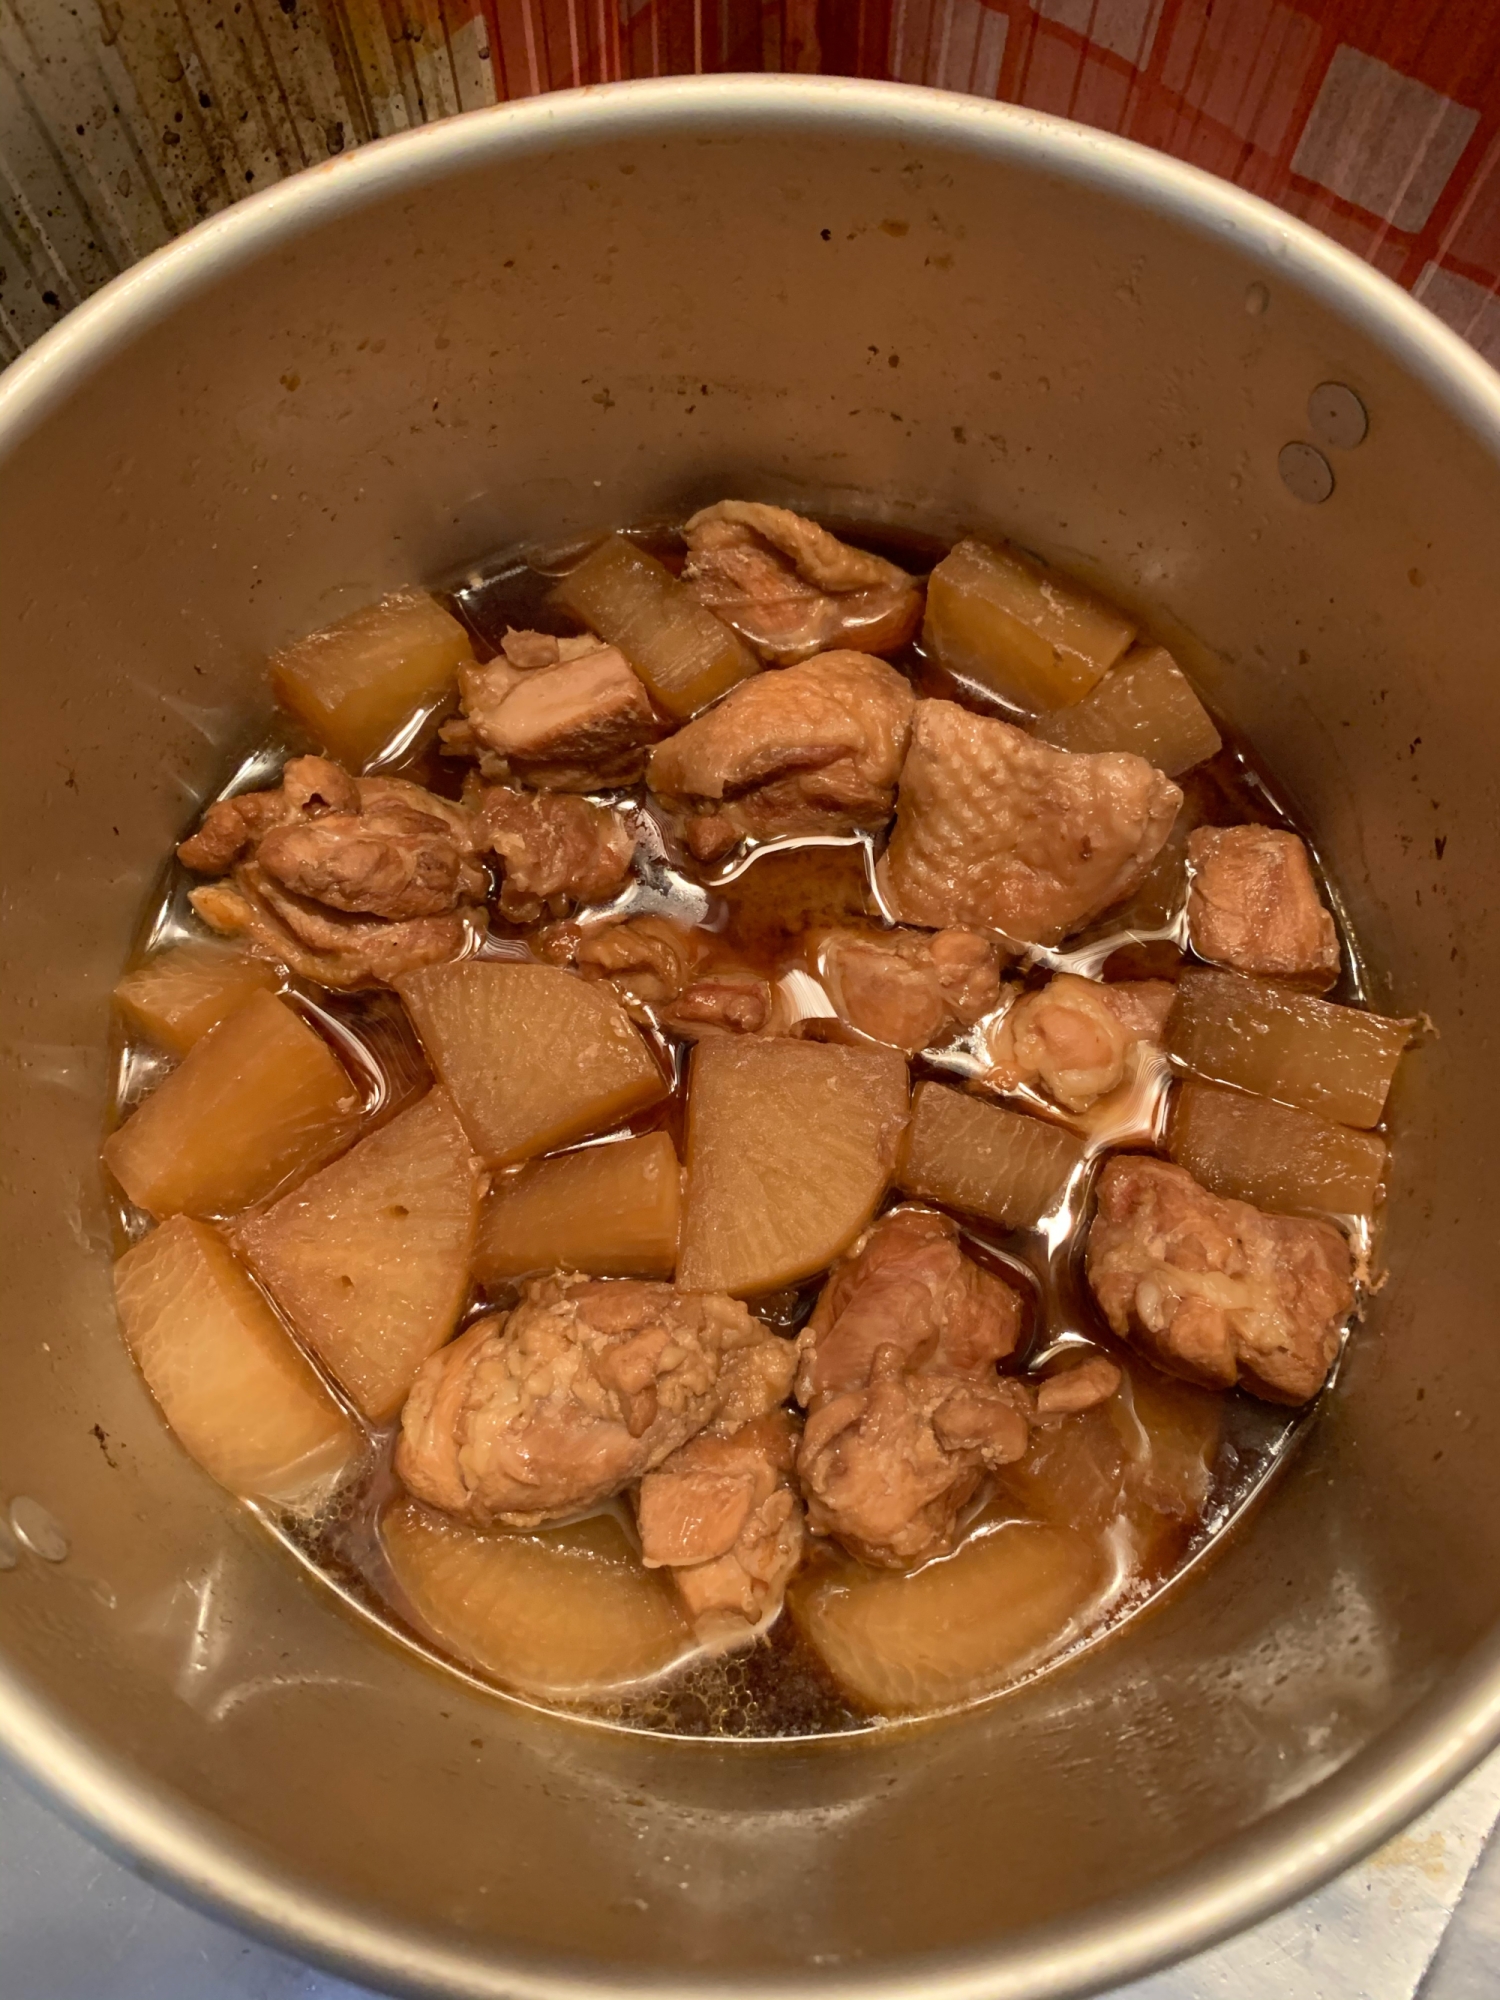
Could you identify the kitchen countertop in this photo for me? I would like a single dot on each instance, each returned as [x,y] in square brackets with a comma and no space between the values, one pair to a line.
[1421,1918]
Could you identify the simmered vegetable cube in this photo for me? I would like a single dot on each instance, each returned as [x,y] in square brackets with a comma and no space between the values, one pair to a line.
[1144,1457]
[182,992]
[355,684]
[611,1211]
[560,1611]
[1252,1149]
[1015,625]
[534,1057]
[984,1159]
[790,1150]
[369,1259]
[232,1385]
[258,1102]
[1145,704]
[1283,1043]
[685,655]
[956,1629]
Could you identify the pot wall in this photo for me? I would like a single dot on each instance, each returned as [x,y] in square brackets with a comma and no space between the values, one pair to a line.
[616,305]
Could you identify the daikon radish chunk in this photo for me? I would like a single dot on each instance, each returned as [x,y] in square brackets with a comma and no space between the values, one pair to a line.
[257,1103]
[959,1628]
[1252,1149]
[1019,627]
[354,685]
[611,1211]
[1283,1043]
[231,1383]
[564,1611]
[369,1259]
[359,683]
[685,655]
[790,1150]
[984,1159]
[1172,1432]
[1145,704]
[533,1057]
[182,992]
[1143,1458]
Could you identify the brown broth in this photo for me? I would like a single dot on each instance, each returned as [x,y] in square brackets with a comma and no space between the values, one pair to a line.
[755,915]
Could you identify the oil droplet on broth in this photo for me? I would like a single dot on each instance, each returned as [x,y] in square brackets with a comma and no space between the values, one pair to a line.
[760,906]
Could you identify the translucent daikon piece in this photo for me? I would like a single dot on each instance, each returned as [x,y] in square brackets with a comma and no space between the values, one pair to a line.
[1143,1459]
[238,1395]
[790,1150]
[1145,704]
[369,1259]
[255,1104]
[961,1627]
[1253,1149]
[560,1612]
[611,1211]
[533,1057]
[1020,627]
[685,655]
[182,992]
[1283,1043]
[984,1159]
[354,685]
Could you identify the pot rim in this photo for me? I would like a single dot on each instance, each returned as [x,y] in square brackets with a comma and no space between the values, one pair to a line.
[1302,1843]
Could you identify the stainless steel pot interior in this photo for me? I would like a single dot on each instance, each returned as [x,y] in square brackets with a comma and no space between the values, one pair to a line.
[603,306]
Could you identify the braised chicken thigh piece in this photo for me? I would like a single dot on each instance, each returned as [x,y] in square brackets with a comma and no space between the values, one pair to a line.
[1253,905]
[541,1413]
[565,715]
[348,881]
[906,1413]
[909,988]
[793,589]
[908,1285]
[814,749]
[646,959]
[1073,1037]
[723,1514]
[1214,1290]
[557,850]
[999,831]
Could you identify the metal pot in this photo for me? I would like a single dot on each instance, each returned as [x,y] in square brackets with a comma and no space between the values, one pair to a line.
[604,306]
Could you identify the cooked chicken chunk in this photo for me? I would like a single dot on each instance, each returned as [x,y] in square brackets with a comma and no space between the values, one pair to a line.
[815,749]
[1253,904]
[324,945]
[530,650]
[888,1468]
[909,988]
[791,588]
[723,1514]
[905,1411]
[645,959]
[377,847]
[726,1002]
[557,851]
[1085,1385]
[346,880]
[573,723]
[675,978]
[1214,1290]
[1073,1037]
[907,1284]
[1000,831]
[586,1386]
